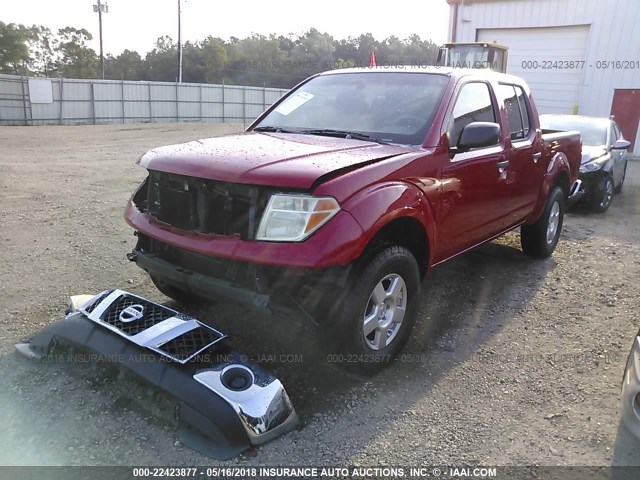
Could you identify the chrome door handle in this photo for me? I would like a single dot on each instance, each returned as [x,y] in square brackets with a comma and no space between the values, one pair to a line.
[502,166]
[536,157]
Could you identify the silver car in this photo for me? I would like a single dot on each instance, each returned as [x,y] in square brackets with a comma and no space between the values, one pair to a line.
[630,410]
[604,156]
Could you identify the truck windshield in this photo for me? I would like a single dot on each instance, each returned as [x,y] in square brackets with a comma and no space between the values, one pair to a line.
[386,107]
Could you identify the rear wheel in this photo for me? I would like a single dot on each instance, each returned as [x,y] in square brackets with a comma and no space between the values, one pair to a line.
[602,194]
[540,239]
[377,313]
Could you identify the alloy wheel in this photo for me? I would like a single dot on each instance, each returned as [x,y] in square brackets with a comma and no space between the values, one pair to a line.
[384,312]
[554,222]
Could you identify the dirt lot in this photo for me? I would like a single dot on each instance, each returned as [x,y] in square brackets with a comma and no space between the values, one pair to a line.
[513,361]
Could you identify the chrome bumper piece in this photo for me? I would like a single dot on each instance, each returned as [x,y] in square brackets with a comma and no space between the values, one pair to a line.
[577,191]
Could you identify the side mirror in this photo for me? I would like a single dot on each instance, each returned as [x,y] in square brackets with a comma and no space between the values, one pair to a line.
[479,134]
[621,145]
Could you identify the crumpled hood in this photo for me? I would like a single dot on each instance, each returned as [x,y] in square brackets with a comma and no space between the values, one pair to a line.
[274,159]
[589,152]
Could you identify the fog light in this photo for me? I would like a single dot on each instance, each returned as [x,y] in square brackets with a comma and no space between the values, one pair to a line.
[237,378]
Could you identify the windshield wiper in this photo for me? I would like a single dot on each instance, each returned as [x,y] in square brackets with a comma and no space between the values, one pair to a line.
[343,133]
[338,133]
[328,132]
[269,128]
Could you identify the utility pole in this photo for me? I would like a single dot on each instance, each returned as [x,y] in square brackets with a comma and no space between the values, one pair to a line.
[179,44]
[101,7]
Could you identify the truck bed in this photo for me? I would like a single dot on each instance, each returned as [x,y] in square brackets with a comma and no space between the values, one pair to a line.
[568,142]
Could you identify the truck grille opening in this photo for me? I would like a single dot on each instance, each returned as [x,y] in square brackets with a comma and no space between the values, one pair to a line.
[205,206]
[185,346]
[133,323]
[92,306]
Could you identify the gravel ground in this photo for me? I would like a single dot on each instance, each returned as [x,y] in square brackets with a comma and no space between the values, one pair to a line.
[512,362]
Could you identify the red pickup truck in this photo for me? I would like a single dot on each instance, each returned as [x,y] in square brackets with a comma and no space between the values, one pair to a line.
[339,198]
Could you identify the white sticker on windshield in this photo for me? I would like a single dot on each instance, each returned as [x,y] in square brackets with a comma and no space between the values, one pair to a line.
[293,102]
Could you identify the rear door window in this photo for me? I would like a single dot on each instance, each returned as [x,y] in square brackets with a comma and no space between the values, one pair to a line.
[525,112]
[516,109]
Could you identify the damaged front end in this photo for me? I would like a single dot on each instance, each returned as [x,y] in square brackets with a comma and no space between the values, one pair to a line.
[226,404]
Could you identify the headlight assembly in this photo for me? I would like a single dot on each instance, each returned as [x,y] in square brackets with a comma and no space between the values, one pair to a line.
[292,218]
[590,167]
[594,164]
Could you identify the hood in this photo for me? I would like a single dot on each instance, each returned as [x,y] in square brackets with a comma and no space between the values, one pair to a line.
[273,159]
[589,152]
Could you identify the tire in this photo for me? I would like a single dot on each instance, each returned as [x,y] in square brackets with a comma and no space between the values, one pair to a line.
[540,239]
[384,289]
[618,188]
[602,194]
[175,293]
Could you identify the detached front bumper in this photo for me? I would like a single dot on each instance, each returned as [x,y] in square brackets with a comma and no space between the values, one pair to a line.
[225,404]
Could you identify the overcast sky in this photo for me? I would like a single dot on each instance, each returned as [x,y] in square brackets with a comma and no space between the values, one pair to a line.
[136,24]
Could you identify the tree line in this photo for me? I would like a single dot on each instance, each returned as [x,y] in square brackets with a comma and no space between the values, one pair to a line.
[273,60]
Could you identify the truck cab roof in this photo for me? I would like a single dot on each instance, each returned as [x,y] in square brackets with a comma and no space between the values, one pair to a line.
[455,73]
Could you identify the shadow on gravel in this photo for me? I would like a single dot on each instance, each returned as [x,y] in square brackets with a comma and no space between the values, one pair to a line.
[464,302]
[61,412]
[626,450]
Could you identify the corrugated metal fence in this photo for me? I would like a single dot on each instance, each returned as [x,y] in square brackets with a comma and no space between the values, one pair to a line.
[62,101]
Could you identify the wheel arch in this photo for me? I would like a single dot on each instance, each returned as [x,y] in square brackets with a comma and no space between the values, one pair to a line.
[405,232]
[398,213]
[556,175]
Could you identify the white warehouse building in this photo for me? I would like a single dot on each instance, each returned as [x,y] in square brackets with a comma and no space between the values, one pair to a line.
[544,37]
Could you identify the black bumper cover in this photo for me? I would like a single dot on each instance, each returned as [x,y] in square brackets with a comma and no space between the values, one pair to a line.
[217,416]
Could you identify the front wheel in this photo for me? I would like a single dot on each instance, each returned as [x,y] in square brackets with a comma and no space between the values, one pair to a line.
[377,314]
[602,194]
[540,239]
